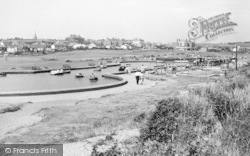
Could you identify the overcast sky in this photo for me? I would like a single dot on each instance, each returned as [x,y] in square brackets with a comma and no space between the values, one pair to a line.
[152,20]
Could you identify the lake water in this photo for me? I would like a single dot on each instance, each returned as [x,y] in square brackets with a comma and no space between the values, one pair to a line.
[45,81]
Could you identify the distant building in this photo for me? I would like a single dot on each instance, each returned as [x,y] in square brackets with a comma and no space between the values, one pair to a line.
[60,46]
[35,36]
[107,47]
[7,43]
[106,42]
[14,49]
[244,47]
[38,46]
[184,45]
[79,46]
[138,42]
[92,46]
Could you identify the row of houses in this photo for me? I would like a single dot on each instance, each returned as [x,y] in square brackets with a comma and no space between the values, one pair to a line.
[187,45]
[15,47]
[112,42]
[242,47]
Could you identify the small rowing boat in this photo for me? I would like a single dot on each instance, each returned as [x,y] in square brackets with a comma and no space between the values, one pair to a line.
[79,75]
[66,71]
[98,69]
[93,78]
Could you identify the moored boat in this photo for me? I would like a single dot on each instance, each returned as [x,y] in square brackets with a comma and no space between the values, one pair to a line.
[98,69]
[122,68]
[57,72]
[93,78]
[79,75]
[103,66]
[67,71]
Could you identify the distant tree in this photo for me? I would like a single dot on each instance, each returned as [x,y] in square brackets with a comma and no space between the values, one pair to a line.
[17,38]
[80,39]
[76,38]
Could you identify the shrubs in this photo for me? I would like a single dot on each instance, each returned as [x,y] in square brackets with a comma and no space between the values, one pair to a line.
[209,121]
[163,123]
[113,151]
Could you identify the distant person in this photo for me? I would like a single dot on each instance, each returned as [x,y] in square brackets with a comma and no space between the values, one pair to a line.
[142,78]
[129,69]
[165,67]
[156,71]
[6,56]
[137,76]
[92,75]
[174,69]
[142,68]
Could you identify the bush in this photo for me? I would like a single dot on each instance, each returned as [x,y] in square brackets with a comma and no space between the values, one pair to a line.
[207,121]
[163,123]
[113,151]
[10,109]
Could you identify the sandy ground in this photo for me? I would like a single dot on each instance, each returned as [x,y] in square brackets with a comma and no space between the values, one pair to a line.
[32,104]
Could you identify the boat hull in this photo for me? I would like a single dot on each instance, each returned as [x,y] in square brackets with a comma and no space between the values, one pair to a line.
[93,79]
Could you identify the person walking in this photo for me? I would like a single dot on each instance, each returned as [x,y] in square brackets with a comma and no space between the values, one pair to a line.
[92,76]
[142,68]
[6,56]
[142,78]
[129,69]
[137,76]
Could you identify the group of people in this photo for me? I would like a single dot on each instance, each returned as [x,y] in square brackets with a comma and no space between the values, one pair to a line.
[139,75]
[128,68]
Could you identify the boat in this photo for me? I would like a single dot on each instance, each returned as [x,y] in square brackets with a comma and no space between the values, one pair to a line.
[79,75]
[122,68]
[98,69]
[66,71]
[93,78]
[103,66]
[57,72]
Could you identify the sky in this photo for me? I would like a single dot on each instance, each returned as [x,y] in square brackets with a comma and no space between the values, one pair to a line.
[152,20]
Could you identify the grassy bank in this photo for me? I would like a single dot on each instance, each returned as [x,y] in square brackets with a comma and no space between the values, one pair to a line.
[94,117]
[214,120]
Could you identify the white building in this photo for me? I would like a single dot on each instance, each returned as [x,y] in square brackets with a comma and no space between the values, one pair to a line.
[77,46]
[92,46]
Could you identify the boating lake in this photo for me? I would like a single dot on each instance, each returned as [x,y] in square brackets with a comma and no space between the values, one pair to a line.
[45,81]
